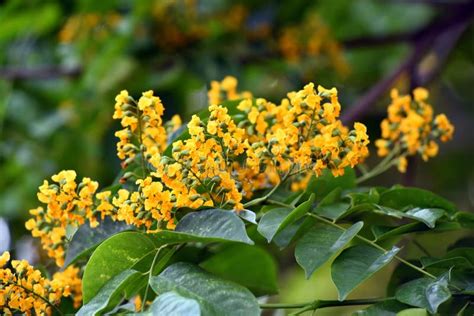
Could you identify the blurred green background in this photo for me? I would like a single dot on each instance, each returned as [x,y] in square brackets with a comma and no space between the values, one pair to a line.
[63,62]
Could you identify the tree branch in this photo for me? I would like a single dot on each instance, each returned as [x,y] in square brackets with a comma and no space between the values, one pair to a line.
[42,73]
[423,40]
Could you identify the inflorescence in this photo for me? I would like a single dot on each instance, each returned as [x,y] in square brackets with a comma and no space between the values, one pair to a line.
[411,129]
[241,146]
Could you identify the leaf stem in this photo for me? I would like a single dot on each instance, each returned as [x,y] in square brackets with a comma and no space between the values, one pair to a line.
[140,140]
[279,203]
[373,244]
[266,196]
[313,305]
[150,274]
[382,166]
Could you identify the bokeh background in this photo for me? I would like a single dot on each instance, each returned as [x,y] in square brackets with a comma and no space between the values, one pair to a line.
[63,62]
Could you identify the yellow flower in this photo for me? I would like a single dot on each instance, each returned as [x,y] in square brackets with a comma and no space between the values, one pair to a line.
[402,164]
[4,258]
[410,127]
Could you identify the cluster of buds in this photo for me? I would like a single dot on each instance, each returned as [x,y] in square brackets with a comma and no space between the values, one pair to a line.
[23,289]
[411,128]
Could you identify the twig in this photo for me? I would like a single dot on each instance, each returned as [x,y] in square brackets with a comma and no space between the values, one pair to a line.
[373,244]
[422,41]
[46,72]
[323,303]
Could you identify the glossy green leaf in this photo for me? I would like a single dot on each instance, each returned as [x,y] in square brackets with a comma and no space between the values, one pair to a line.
[248,215]
[413,312]
[271,220]
[332,211]
[219,225]
[171,303]
[429,216]
[371,196]
[389,307]
[425,293]
[446,263]
[277,219]
[112,257]
[400,198]
[249,266]
[466,219]
[293,232]
[331,206]
[324,184]
[113,292]
[356,264]
[385,232]
[86,239]
[214,295]
[319,244]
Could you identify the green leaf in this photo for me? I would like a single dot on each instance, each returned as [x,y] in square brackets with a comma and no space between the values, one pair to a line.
[429,216]
[214,224]
[248,215]
[324,184]
[319,244]
[413,312]
[293,232]
[384,232]
[277,219]
[271,220]
[400,198]
[466,219]
[332,211]
[86,239]
[386,308]
[249,266]
[112,293]
[331,205]
[447,263]
[425,293]
[214,295]
[356,264]
[171,303]
[115,255]
[370,197]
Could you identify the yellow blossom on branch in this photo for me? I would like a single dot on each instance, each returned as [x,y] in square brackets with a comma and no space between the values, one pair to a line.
[411,128]
[24,289]
[68,205]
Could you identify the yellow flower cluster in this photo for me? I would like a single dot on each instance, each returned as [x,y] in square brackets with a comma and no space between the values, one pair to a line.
[411,128]
[68,205]
[87,26]
[301,134]
[225,90]
[223,161]
[24,290]
[143,130]
[312,37]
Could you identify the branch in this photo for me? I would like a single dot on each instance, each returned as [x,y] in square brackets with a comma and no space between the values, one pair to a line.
[423,40]
[46,72]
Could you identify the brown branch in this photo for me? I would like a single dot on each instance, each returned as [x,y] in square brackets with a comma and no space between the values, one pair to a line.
[43,73]
[423,40]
